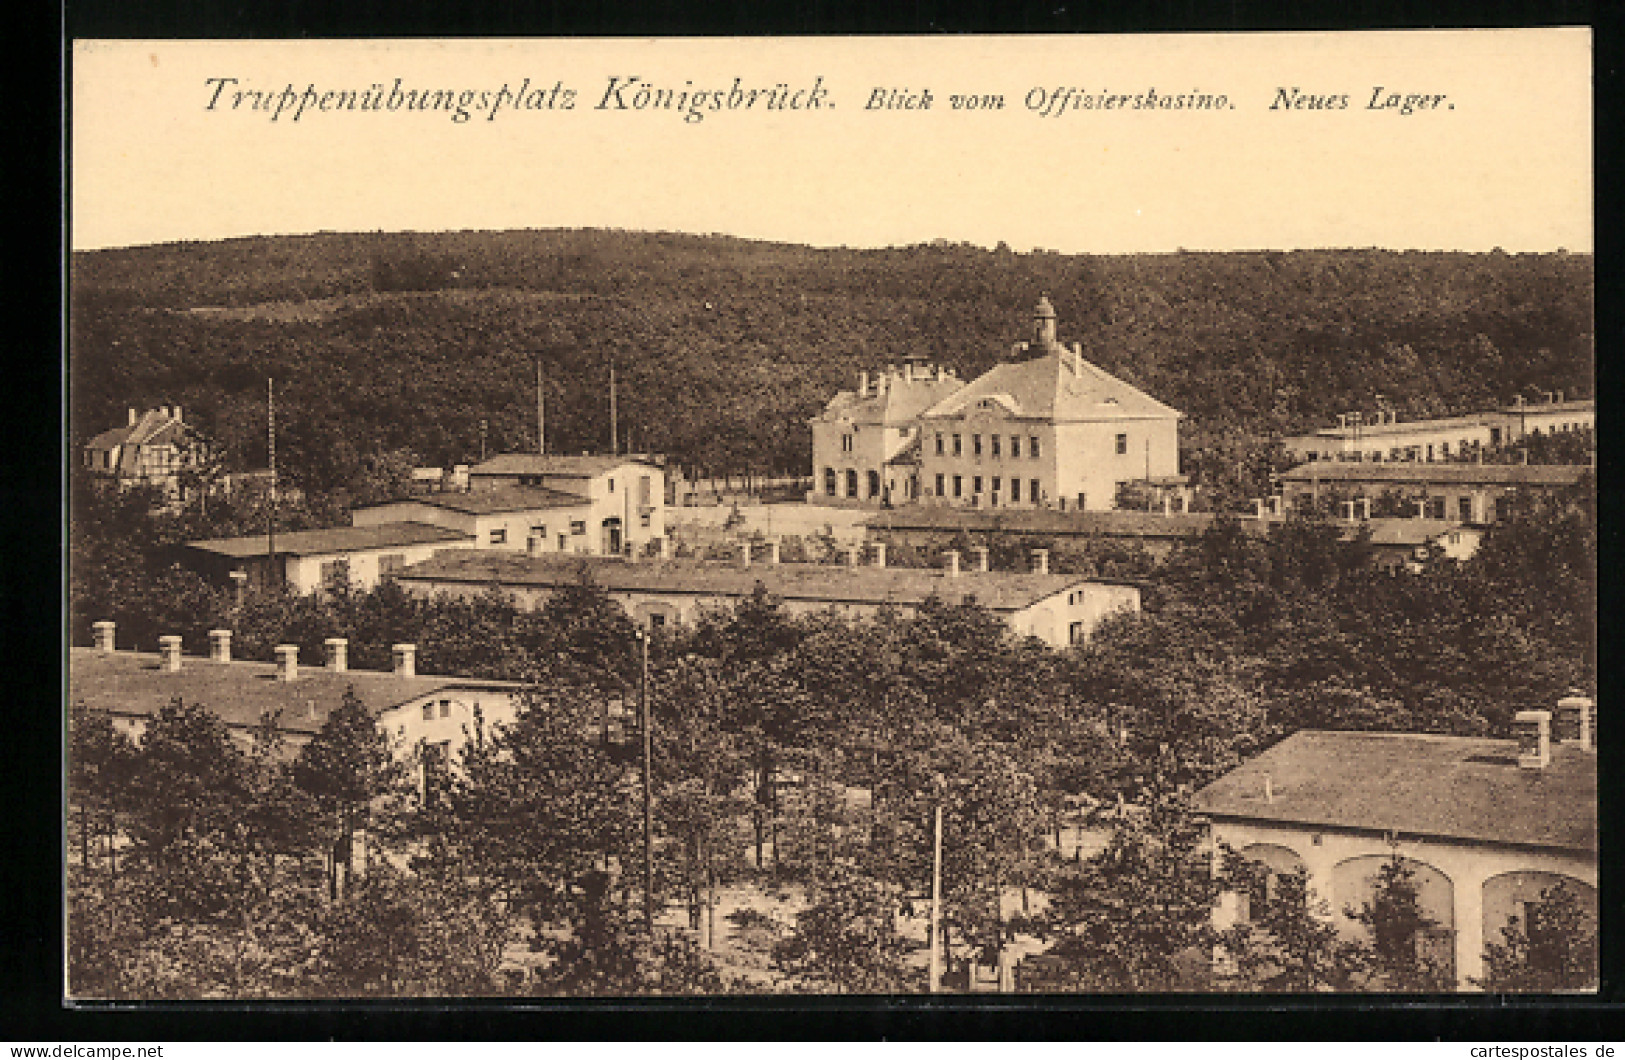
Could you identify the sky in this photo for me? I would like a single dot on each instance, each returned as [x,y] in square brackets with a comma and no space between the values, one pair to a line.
[1496,152]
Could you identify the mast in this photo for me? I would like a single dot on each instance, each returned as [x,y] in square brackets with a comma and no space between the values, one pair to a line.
[614,422]
[270,447]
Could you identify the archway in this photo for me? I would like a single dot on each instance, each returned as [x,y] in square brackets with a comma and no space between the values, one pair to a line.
[1514,893]
[1354,881]
[611,538]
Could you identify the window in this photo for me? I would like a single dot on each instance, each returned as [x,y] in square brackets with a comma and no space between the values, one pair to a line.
[1122,444]
[829,481]
[646,519]
[389,564]
[1015,445]
[995,485]
[939,443]
[612,485]
[436,772]
[428,711]
[499,535]
[846,443]
[1032,446]
[1083,499]
[851,483]
[958,448]
[976,445]
[645,490]
[656,621]
[959,486]
[993,439]
[1015,489]
[445,708]
[1032,490]
[1435,508]
[1464,509]
[874,483]
[976,484]
[335,575]
[939,486]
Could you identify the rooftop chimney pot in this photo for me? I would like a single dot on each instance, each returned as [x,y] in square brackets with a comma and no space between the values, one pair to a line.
[744,553]
[103,632]
[287,660]
[406,657]
[880,553]
[979,552]
[170,648]
[338,654]
[1574,720]
[1040,561]
[951,561]
[1533,729]
[133,417]
[852,555]
[220,645]
[773,552]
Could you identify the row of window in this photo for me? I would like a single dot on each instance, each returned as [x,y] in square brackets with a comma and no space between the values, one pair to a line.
[996,482]
[832,483]
[994,444]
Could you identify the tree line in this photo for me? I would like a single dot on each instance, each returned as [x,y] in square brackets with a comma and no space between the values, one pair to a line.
[723,348]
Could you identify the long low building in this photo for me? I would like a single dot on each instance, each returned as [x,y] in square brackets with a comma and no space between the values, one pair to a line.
[132,686]
[1058,609]
[1484,825]
[1386,437]
[1468,493]
[313,560]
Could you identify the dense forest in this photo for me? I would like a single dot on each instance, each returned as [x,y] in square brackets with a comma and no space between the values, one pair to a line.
[405,343]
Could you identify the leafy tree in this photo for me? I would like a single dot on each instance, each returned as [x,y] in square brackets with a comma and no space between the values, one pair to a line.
[1401,959]
[1137,917]
[846,941]
[1287,943]
[1552,948]
[344,769]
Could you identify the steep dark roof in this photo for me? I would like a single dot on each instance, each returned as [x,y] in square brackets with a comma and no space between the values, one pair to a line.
[1447,787]
[997,591]
[336,539]
[556,466]
[134,684]
[1043,522]
[1422,472]
[506,499]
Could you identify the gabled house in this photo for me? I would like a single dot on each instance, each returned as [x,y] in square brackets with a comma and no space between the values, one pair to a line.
[152,449]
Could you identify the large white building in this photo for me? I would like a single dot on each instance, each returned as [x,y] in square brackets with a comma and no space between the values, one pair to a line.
[1045,429]
[1386,437]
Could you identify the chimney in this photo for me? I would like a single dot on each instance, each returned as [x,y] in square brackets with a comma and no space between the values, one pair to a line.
[1559,397]
[287,660]
[663,547]
[941,374]
[1040,561]
[1258,507]
[773,552]
[980,554]
[1077,359]
[1269,789]
[1574,720]
[863,384]
[852,555]
[133,417]
[880,553]
[170,648]
[338,654]
[1533,730]
[1167,504]
[744,553]
[175,414]
[220,645]
[951,561]
[103,632]
[406,657]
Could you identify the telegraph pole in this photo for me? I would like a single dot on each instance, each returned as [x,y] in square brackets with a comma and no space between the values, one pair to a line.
[935,971]
[648,797]
[541,414]
[614,421]
[270,448]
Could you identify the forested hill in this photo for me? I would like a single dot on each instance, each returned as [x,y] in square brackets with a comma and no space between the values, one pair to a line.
[723,346]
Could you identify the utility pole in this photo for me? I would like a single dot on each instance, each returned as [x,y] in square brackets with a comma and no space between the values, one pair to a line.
[484,426]
[270,448]
[541,414]
[614,421]
[648,796]
[935,969]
